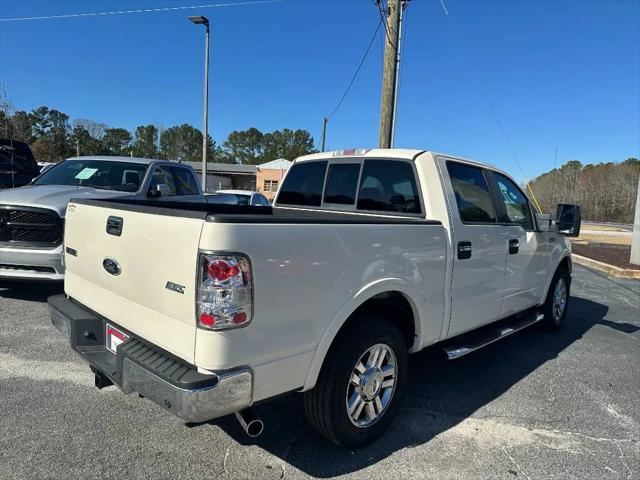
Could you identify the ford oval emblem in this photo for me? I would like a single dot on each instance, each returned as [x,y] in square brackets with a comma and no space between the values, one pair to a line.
[111,266]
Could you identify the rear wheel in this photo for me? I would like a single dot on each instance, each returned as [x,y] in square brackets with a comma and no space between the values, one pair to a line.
[361,384]
[555,307]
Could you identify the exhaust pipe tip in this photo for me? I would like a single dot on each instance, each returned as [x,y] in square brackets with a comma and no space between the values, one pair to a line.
[250,422]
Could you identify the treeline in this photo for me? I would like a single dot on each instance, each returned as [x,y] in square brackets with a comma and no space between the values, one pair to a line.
[606,192]
[53,137]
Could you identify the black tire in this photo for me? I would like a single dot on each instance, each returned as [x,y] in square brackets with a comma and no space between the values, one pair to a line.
[551,319]
[325,405]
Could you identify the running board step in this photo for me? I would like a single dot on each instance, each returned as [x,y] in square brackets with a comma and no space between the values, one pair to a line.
[470,342]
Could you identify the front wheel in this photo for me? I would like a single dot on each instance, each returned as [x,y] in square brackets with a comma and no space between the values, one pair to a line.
[555,307]
[361,384]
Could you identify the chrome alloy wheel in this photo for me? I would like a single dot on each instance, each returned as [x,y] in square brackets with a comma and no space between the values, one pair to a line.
[559,299]
[372,384]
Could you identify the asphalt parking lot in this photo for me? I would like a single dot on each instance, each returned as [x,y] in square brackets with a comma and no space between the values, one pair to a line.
[536,405]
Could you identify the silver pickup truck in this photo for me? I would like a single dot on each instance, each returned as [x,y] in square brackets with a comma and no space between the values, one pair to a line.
[32,217]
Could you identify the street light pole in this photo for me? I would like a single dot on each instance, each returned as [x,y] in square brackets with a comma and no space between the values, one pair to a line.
[200,20]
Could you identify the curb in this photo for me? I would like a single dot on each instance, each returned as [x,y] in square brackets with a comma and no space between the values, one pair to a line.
[605,267]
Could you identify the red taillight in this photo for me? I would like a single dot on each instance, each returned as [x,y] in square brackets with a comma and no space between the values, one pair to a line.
[239,318]
[208,320]
[221,270]
[224,292]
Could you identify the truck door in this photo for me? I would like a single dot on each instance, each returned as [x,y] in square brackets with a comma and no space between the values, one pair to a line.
[479,248]
[528,258]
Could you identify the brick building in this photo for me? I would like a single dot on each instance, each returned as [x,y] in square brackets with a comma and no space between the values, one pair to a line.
[225,176]
[265,178]
[269,176]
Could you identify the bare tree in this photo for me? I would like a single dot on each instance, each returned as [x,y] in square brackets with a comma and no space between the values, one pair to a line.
[606,191]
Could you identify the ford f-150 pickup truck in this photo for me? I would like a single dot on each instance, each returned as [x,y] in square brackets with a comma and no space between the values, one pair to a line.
[365,257]
[32,217]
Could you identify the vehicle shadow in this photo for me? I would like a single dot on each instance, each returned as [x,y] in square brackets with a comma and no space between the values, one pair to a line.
[439,395]
[30,290]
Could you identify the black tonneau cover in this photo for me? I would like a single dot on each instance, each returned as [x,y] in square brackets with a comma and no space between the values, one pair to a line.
[222,213]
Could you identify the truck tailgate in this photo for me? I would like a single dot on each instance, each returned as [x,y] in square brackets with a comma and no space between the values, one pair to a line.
[131,289]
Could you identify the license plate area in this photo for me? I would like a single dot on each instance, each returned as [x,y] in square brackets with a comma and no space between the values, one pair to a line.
[114,338]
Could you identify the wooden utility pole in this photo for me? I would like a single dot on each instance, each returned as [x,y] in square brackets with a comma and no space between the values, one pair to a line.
[324,132]
[397,80]
[390,77]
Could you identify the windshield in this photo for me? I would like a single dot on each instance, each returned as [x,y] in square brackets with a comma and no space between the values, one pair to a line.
[100,174]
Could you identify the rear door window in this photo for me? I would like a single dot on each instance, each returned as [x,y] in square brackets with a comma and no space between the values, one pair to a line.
[303,184]
[342,183]
[388,186]
[472,193]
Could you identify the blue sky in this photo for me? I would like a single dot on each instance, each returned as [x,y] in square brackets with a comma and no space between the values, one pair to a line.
[559,74]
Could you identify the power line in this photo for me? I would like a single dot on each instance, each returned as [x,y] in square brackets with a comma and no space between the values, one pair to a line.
[141,10]
[364,57]
[383,17]
[446,12]
[496,118]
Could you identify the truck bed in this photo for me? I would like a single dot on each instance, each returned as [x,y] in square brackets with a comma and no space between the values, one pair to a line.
[224,213]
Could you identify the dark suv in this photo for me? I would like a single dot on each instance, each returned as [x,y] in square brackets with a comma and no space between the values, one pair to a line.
[18,166]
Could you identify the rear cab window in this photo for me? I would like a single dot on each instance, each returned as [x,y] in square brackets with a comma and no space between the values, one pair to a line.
[342,183]
[304,184]
[386,186]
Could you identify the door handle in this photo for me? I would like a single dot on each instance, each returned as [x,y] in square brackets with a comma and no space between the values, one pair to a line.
[514,246]
[464,250]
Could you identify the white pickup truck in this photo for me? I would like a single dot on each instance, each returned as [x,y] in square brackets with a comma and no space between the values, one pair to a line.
[365,257]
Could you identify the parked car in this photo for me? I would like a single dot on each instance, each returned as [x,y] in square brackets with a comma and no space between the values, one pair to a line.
[238,197]
[365,257]
[32,217]
[18,166]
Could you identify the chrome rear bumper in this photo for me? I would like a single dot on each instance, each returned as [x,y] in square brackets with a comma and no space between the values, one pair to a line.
[140,367]
[231,393]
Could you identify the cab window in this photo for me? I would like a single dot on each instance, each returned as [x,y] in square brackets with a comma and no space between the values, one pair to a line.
[184,181]
[342,183]
[472,193]
[388,186]
[303,184]
[516,204]
[162,175]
